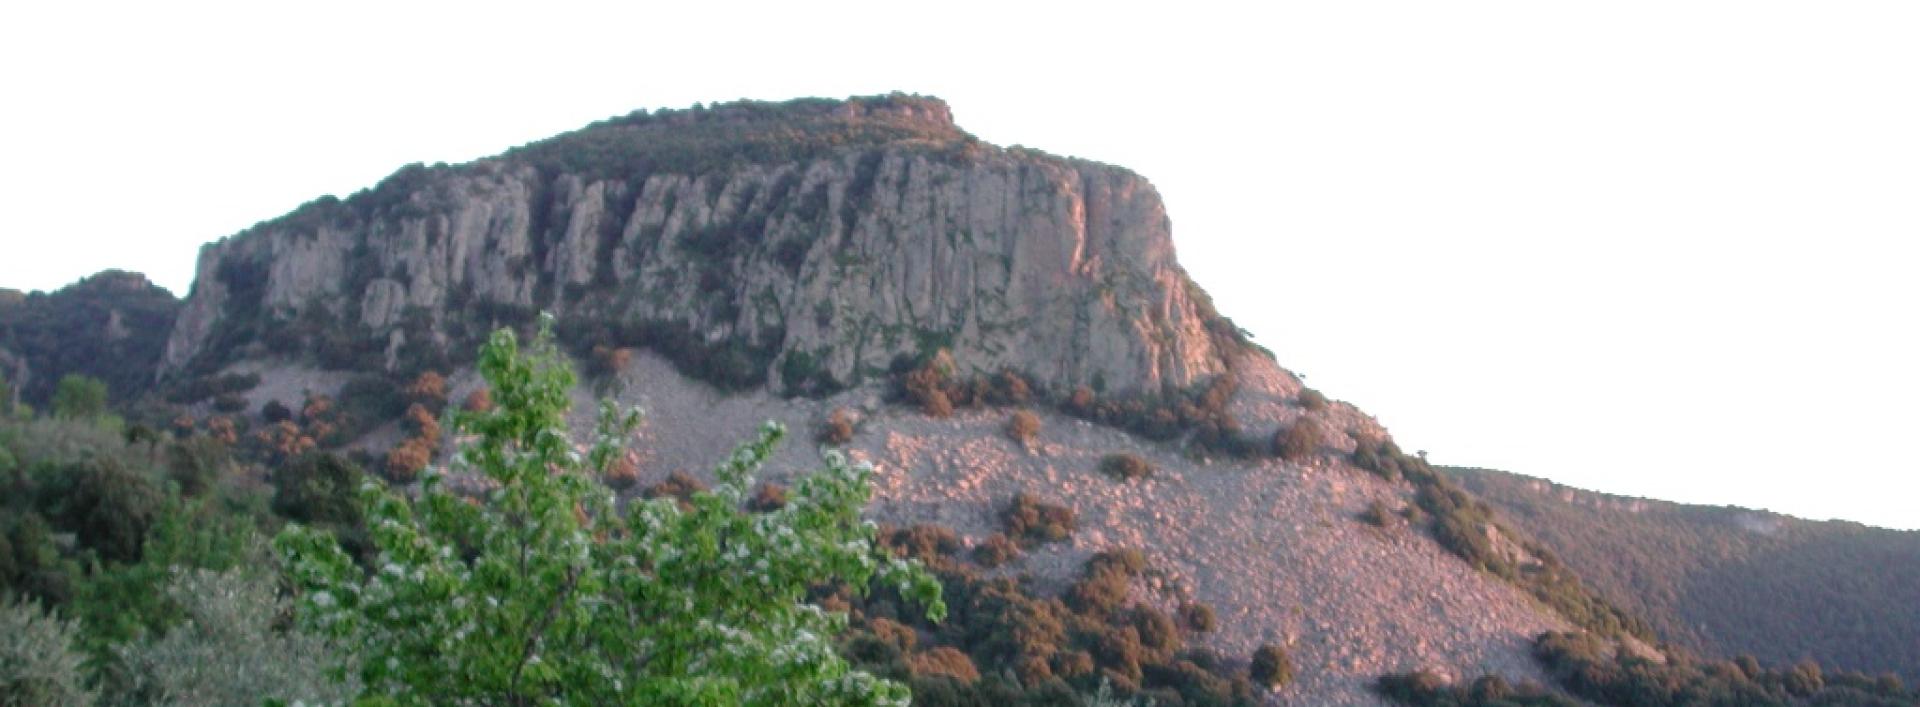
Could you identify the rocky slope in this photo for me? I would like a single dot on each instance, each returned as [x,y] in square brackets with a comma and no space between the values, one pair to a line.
[806,244]
[753,252]
[1274,547]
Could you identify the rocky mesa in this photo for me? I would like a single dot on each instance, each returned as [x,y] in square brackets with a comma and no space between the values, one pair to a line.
[805,245]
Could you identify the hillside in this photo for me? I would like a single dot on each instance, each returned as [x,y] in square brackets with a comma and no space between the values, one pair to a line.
[1729,581]
[1111,483]
[112,326]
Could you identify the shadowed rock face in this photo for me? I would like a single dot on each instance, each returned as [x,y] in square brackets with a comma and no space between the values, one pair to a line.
[821,238]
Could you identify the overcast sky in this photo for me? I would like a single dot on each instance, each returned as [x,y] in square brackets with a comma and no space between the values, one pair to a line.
[1655,248]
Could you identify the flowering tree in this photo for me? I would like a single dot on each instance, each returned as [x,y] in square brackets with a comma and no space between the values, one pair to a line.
[543,593]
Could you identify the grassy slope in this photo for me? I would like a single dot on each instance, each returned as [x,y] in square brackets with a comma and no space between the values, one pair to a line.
[1730,581]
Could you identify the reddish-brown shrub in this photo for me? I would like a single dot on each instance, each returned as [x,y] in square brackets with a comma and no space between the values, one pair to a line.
[221,427]
[405,460]
[608,361]
[421,423]
[622,473]
[678,485]
[429,389]
[838,429]
[893,633]
[995,551]
[944,661]
[768,496]
[1031,521]
[480,400]
[1023,426]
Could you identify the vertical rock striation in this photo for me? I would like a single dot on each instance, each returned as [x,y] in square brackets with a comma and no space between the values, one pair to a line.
[805,244]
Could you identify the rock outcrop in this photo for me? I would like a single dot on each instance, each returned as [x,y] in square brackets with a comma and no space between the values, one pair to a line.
[805,244]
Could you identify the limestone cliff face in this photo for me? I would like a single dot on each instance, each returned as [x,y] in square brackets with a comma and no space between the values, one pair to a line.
[823,239]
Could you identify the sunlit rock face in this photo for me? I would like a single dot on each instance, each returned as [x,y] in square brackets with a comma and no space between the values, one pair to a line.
[806,244]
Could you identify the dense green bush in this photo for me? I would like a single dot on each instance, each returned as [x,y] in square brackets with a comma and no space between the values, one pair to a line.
[322,490]
[40,664]
[106,505]
[80,397]
[1425,689]
[196,463]
[544,592]
[228,649]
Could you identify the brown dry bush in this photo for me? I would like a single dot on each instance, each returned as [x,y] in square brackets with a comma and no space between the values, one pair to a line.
[429,390]
[1023,427]
[1198,617]
[1125,467]
[944,661]
[678,485]
[1300,441]
[1031,521]
[480,400]
[622,473]
[405,460]
[995,551]
[768,496]
[838,429]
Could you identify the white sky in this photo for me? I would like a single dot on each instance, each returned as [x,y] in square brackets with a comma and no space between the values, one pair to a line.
[1657,248]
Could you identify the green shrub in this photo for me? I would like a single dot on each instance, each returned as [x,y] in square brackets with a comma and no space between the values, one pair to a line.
[105,504]
[366,402]
[79,397]
[196,463]
[546,561]
[1198,617]
[228,650]
[1312,400]
[1376,514]
[40,665]
[323,490]
[1271,667]
[1299,442]
[229,403]
[1125,466]
[275,411]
